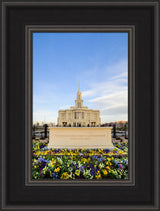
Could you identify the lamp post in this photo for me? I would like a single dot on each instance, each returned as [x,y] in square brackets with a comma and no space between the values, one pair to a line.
[114,131]
[45,130]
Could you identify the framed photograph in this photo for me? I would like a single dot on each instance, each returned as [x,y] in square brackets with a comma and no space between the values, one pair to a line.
[80,105]
[81,143]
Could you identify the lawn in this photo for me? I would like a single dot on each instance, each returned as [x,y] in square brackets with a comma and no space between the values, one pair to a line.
[83,164]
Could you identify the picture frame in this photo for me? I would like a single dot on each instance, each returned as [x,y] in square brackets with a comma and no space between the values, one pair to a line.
[19,20]
[28,140]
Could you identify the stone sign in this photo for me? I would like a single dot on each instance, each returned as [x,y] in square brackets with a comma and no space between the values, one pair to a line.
[80,137]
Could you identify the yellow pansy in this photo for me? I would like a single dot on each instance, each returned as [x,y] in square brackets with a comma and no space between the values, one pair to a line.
[98,175]
[105,172]
[57,169]
[77,172]
[89,159]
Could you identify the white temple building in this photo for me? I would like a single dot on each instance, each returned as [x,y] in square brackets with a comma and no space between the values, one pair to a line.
[79,115]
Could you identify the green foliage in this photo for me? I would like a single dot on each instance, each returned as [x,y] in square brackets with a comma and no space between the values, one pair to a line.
[79,163]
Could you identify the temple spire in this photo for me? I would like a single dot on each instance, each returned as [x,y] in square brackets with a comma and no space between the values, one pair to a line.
[79,92]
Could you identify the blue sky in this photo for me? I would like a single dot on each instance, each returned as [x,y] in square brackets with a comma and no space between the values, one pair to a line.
[98,60]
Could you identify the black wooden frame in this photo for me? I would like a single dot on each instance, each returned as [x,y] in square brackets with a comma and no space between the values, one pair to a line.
[15,193]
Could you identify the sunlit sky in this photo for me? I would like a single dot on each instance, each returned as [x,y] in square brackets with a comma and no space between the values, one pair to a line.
[98,60]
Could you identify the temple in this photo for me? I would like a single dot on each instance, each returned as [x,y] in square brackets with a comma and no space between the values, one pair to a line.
[79,115]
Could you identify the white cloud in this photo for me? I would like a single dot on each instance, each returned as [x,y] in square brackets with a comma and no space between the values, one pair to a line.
[118,109]
[120,76]
[88,93]
[45,115]
[110,97]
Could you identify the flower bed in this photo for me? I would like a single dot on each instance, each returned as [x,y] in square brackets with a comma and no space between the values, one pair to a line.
[79,163]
